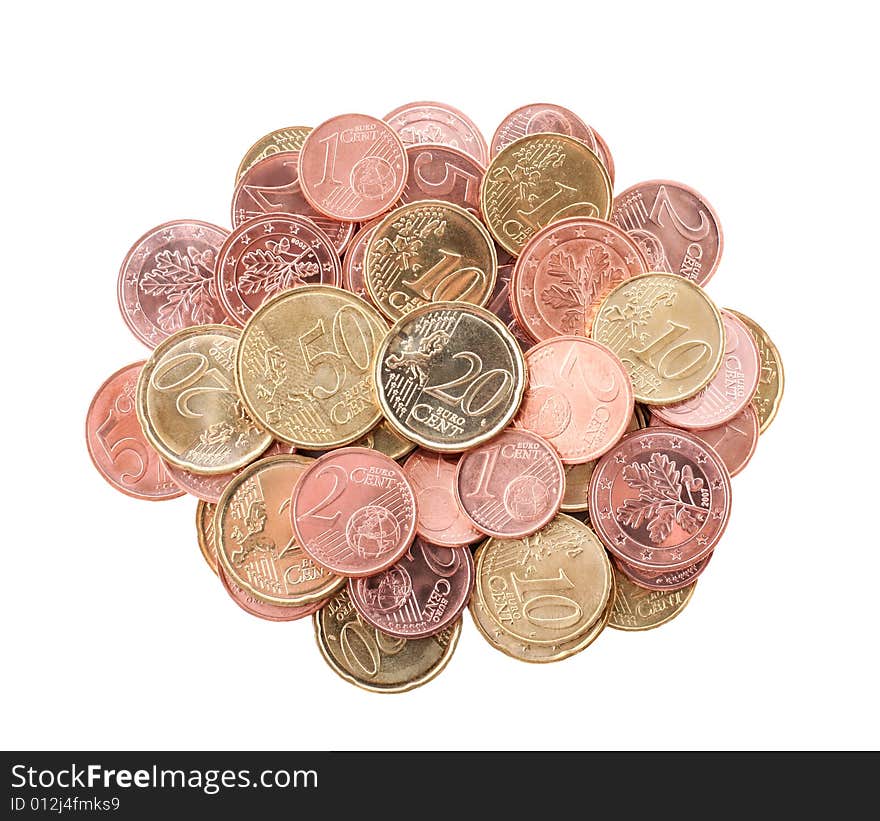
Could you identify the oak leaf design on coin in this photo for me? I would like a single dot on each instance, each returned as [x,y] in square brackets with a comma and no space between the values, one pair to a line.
[275,268]
[661,501]
[579,284]
[187,283]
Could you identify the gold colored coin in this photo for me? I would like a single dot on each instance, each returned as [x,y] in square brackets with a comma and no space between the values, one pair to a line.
[283,139]
[548,588]
[577,477]
[540,179]
[771,383]
[205,533]
[304,366]
[428,251]
[449,376]
[386,440]
[637,608]
[667,333]
[372,660]
[254,536]
[188,407]
[534,653]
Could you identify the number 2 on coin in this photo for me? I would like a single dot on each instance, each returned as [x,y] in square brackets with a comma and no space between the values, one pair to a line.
[662,201]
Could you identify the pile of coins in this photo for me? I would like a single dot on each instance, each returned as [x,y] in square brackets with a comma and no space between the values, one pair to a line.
[423,373]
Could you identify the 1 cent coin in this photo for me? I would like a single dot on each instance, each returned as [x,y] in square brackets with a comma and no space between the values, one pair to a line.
[352,167]
[510,486]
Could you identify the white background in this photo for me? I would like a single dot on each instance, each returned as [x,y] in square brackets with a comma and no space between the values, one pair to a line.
[118,117]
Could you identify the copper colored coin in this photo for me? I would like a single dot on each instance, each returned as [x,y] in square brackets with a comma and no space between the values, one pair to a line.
[352,167]
[271,187]
[579,397]
[676,228]
[566,270]
[730,390]
[117,445]
[353,262]
[437,172]
[271,612]
[166,281]
[538,118]
[511,486]
[660,499]
[499,304]
[734,441]
[418,123]
[440,519]
[271,254]
[209,488]
[420,595]
[354,511]
[664,579]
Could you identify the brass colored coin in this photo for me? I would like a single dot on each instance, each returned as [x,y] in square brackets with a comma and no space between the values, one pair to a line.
[539,179]
[187,404]
[254,536]
[534,653]
[449,376]
[429,251]
[304,366]
[637,608]
[365,656]
[283,139]
[386,440]
[771,383]
[577,477]
[666,331]
[205,533]
[548,588]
